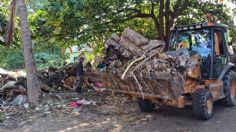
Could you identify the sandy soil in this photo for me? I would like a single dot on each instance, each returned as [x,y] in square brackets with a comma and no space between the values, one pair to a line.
[126,117]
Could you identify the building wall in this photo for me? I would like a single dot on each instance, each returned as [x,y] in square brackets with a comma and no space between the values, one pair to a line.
[89,57]
[73,57]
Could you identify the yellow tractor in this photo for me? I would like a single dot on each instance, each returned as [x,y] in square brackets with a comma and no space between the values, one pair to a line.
[209,77]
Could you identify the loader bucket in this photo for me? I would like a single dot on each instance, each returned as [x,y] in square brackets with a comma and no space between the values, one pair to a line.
[159,88]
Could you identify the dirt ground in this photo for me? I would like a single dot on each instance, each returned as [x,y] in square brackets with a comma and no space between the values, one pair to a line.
[121,114]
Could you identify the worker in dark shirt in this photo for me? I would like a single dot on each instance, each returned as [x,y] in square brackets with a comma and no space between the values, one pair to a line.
[79,75]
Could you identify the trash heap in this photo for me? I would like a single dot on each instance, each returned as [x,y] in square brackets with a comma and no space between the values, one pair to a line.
[58,79]
[129,55]
[132,53]
[11,87]
[137,65]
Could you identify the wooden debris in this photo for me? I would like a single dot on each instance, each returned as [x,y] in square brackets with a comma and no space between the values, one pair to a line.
[128,45]
[137,66]
[134,37]
[152,44]
[115,37]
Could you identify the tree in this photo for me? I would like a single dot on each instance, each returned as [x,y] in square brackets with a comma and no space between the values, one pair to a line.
[90,20]
[33,84]
[162,12]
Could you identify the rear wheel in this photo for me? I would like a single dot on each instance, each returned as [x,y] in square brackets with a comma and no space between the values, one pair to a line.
[203,104]
[229,88]
[146,105]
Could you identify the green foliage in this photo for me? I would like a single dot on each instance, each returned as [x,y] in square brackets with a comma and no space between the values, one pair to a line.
[198,13]
[58,24]
[3,23]
[45,60]
[11,58]
[3,26]
[47,55]
[2,116]
[82,21]
[77,22]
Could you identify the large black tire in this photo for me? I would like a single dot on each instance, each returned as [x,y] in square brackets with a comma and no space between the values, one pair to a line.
[203,104]
[145,105]
[229,88]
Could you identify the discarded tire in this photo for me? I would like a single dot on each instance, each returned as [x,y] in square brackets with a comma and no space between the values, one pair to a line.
[229,88]
[145,105]
[203,104]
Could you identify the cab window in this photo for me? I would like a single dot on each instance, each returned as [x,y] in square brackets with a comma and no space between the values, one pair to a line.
[193,40]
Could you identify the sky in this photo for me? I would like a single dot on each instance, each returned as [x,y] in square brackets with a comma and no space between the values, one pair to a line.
[230,4]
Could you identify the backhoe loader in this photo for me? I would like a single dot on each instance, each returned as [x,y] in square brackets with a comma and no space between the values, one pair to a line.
[210,75]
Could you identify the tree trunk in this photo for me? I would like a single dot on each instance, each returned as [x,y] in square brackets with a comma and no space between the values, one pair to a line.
[167,20]
[33,84]
[161,20]
[157,26]
[11,23]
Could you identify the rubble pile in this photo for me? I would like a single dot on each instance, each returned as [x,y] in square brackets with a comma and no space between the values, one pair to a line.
[53,80]
[129,55]
[57,79]
[132,53]
[11,87]
[137,66]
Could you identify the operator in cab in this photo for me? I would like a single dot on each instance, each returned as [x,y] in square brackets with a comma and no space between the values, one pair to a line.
[200,47]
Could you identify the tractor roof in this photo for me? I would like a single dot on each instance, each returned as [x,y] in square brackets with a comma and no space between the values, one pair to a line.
[199,26]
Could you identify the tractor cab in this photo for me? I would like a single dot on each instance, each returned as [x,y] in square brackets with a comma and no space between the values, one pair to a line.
[210,42]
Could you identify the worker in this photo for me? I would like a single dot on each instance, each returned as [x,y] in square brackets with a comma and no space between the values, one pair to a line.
[182,44]
[211,22]
[79,75]
[200,47]
[210,18]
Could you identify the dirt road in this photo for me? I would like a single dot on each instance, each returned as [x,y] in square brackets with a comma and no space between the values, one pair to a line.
[181,120]
[128,118]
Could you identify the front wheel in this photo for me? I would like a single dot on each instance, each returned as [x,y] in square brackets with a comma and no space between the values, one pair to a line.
[203,104]
[145,105]
[229,88]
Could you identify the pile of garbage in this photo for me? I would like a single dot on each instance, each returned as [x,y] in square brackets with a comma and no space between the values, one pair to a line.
[13,89]
[67,104]
[134,64]
[58,79]
[131,53]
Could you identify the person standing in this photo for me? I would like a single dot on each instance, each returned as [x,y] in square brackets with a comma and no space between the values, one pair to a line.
[210,18]
[79,75]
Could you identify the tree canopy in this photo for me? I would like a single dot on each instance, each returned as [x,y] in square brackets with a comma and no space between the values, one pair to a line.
[78,22]
[60,24]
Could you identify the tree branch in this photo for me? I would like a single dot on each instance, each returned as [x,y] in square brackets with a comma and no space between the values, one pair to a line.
[179,7]
[140,14]
[161,20]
